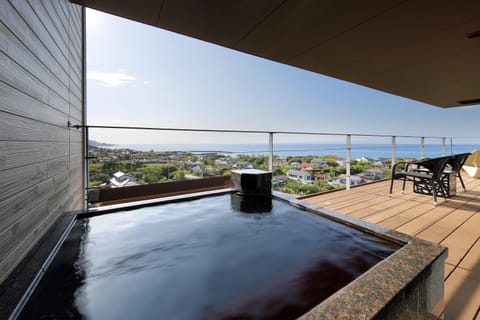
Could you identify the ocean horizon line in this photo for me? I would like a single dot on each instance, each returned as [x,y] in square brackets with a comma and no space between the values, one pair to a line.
[282,143]
[358,150]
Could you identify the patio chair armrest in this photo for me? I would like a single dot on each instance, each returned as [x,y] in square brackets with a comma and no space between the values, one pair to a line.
[394,168]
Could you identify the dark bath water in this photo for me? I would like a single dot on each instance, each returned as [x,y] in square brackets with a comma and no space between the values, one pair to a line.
[222,257]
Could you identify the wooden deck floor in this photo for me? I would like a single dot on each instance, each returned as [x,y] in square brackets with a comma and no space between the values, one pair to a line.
[454,223]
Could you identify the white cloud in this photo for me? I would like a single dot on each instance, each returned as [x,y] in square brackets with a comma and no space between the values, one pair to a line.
[108,79]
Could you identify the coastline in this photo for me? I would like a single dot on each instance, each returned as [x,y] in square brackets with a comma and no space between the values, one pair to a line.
[358,150]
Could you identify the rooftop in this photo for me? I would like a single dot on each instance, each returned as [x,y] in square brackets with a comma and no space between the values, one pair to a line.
[453,224]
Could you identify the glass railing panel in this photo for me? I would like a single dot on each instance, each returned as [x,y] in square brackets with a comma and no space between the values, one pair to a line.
[302,163]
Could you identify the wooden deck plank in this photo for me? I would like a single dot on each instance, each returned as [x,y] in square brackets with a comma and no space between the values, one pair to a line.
[462,295]
[340,198]
[448,270]
[425,221]
[358,203]
[385,205]
[440,230]
[372,209]
[392,211]
[367,189]
[472,259]
[454,223]
[462,239]
[406,216]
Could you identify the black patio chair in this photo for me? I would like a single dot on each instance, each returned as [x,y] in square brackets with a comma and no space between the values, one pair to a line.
[430,179]
[456,164]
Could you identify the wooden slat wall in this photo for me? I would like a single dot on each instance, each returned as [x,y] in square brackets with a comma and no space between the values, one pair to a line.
[41,81]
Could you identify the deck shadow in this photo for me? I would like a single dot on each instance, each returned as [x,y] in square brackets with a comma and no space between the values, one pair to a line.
[464,294]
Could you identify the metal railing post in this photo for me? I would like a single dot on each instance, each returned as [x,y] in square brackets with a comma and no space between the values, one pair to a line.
[422,148]
[87,169]
[270,151]
[86,180]
[451,146]
[444,149]
[347,164]
[394,150]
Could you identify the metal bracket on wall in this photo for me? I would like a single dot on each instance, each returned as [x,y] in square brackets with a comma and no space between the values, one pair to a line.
[76,126]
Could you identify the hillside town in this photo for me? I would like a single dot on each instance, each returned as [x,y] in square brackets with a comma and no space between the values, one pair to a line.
[113,168]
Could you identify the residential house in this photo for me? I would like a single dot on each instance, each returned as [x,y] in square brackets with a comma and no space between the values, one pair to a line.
[319,176]
[373,174]
[221,163]
[317,162]
[295,164]
[375,162]
[298,175]
[341,163]
[122,179]
[354,180]
[243,165]
[367,159]
[305,166]
[198,169]
[189,165]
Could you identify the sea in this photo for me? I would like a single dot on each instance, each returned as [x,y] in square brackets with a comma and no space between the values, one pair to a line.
[283,150]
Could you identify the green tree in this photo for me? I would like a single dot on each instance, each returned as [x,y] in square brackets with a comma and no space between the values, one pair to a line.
[332,163]
[294,159]
[309,189]
[277,171]
[151,172]
[178,175]
[210,159]
[111,167]
[260,161]
[292,186]
[307,159]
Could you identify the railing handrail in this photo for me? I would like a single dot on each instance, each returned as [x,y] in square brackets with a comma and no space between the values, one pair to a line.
[270,134]
[78,126]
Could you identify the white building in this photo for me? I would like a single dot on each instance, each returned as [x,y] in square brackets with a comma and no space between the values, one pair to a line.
[373,174]
[319,162]
[354,180]
[298,175]
[122,179]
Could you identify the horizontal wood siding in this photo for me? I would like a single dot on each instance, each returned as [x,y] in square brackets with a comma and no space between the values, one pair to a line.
[41,90]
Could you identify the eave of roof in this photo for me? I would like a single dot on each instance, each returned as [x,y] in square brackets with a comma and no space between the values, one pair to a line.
[422,50]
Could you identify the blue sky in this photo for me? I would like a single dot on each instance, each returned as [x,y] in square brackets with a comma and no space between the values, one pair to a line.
[144,76]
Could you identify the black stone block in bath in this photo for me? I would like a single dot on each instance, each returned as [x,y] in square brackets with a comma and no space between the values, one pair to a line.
[252,181]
